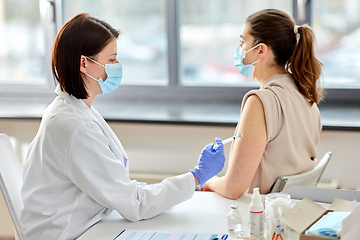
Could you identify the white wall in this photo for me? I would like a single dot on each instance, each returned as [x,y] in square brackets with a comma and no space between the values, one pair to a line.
[173,149]
[344,165]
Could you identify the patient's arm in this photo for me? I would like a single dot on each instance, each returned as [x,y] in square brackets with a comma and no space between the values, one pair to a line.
[246,153]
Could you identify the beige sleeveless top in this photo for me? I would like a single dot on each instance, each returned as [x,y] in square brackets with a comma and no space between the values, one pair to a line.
[293,131]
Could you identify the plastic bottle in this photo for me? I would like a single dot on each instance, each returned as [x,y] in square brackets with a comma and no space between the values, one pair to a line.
[256,215]
[234,222]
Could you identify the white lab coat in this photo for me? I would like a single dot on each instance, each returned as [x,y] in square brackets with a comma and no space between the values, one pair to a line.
[76,173]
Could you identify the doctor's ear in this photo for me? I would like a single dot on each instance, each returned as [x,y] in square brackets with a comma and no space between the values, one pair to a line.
[263,51]
[83,63]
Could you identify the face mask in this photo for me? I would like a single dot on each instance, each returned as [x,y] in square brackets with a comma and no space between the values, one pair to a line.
[114,75]
[246,70]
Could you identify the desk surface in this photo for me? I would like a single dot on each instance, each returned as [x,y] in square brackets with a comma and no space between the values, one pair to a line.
[205,212]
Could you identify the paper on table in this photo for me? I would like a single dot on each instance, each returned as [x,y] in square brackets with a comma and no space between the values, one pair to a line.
[152,235]
[296,201]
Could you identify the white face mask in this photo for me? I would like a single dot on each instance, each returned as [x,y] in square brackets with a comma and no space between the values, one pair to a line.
[114,76]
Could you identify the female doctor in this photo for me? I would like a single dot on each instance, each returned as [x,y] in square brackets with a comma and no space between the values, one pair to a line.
[77,171]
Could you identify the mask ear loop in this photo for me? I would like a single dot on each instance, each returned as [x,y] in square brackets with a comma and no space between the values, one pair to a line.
[91,77]
[95,61]
[253,49]
[255,62]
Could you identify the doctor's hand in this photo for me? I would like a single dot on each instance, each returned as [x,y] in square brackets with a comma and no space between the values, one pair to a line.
[211,162]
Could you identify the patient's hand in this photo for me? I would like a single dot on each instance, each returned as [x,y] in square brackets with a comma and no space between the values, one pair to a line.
[207,186]
[205,189]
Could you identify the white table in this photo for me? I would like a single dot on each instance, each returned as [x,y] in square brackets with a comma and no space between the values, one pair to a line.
[205,212]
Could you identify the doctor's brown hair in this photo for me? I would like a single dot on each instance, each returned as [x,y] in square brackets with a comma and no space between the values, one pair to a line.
[275,28]
[81,35]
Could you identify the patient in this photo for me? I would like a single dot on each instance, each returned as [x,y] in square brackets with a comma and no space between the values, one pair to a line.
[280,122]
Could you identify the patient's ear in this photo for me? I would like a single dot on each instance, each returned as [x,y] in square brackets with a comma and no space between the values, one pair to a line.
[263,51]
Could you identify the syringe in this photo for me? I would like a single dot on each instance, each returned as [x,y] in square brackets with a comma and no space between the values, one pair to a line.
[230,139]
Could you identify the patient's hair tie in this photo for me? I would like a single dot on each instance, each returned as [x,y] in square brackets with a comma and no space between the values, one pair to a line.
[296,29]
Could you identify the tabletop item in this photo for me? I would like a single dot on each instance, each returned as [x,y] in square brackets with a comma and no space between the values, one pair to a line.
[256,215]
[155,235]
[276,204]
[234,222]
[329,225]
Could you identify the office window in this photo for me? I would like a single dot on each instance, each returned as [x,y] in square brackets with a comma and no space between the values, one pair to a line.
[22,45]
[337,27]
[142,46]
[209,34]
[182,48]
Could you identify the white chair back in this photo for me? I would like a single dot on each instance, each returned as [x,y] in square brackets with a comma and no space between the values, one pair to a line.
[11,182]
[305,179]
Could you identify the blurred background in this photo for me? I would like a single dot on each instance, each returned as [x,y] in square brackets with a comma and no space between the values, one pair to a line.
[206,35]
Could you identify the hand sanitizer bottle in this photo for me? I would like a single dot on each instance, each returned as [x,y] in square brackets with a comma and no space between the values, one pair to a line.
[256,215]
[234,222]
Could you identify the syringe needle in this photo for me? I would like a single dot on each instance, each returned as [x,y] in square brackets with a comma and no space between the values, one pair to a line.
[230,139]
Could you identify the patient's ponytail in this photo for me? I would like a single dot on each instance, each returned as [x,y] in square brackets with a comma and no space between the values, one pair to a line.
[292,46]
[304,66]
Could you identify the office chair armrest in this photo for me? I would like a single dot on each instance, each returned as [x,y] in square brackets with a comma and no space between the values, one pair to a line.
[279,184]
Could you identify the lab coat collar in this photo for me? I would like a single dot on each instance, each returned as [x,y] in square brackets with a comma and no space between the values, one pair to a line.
[78,103]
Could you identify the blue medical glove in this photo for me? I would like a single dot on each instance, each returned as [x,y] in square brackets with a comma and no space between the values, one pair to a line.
[211,162]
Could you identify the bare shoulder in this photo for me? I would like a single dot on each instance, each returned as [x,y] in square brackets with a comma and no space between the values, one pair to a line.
[253,107]
[253,115]
[254,102]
